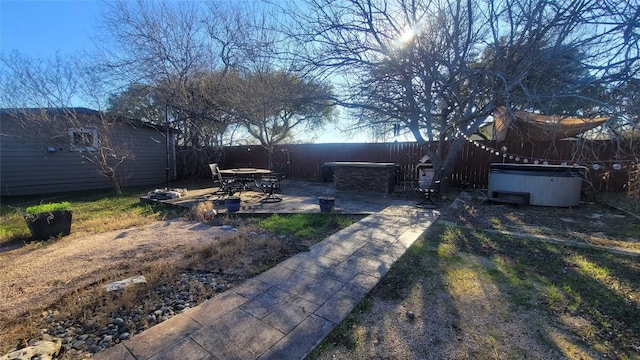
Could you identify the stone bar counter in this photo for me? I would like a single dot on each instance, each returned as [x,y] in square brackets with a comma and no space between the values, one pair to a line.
[364,176]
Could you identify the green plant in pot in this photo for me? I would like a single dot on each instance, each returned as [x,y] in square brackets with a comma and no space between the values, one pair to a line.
[49,220]
[232,203]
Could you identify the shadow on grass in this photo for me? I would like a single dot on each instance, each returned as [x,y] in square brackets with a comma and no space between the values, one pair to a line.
[485,295]
[15,243]
[589,295]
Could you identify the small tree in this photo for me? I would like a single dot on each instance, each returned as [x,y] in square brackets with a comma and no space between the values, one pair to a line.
[272,105]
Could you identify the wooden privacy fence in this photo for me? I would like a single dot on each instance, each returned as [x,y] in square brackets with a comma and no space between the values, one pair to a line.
[304,161]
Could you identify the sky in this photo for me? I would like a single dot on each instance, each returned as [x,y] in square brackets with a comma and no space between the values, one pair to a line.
[41,28]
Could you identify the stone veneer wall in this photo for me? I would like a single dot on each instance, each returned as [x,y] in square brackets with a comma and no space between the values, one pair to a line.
[374,179]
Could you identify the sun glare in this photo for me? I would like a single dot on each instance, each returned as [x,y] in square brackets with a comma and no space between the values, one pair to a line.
[407,35]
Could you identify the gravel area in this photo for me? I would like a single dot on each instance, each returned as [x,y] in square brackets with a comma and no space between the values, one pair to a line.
[82,337]
[40,282]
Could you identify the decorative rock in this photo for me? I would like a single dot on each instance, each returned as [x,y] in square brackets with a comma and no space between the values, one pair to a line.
[107,338]
[119,285]
[95,349]
[79,337]
[210,214]
[44,349]
[411,315]
[226,227]
[465,196]
[457,204]
[78,344]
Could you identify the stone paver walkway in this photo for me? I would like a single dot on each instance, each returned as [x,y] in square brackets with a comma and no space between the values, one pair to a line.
[286,311]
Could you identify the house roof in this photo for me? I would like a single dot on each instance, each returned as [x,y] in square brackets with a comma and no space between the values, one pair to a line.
[82,111]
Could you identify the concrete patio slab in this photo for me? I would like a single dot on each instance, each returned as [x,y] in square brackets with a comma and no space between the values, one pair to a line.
[298,197]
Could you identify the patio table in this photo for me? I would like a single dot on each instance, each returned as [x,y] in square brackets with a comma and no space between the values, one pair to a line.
[244,175]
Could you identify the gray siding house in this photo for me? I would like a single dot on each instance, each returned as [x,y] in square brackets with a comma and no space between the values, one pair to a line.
[53,163]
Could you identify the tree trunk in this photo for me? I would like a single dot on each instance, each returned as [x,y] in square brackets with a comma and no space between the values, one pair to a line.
[115,184]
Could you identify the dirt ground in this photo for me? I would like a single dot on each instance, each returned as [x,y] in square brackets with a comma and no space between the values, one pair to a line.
[34,278]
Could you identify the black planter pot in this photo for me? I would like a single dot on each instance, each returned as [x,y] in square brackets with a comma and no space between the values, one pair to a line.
[232,205]
[326,203]
[49,224]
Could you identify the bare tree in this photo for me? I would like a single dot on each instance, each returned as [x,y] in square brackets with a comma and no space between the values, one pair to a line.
[419,63]
[274,104]
[137,101]
[40,93]
[214,66]
[147,42]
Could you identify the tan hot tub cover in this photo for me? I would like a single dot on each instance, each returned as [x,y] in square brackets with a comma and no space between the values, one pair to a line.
[522,126]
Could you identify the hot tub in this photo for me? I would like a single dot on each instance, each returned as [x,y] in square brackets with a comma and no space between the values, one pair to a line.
[546,185]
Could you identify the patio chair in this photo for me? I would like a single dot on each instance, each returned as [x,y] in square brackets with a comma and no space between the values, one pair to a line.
[226,186]
[268,184]
[278,173]
[426,193]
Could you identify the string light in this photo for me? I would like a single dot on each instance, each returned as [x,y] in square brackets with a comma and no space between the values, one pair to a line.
[503,151]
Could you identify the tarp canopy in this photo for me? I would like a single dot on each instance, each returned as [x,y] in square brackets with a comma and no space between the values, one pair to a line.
[522,126]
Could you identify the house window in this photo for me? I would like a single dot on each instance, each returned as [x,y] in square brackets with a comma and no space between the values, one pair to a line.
[83,139]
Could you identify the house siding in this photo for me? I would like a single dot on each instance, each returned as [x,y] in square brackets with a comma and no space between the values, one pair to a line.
[27,168]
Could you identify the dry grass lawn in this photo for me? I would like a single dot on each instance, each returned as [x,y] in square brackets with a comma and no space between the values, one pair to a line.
[468,291]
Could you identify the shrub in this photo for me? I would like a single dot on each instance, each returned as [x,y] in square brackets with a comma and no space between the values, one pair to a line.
[36,209]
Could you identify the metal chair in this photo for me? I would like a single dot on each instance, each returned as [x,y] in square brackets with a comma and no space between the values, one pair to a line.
[278,174]
[226,186]
[428,192]
[268,184]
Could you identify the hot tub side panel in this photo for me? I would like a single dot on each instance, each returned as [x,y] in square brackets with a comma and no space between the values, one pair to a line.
[546,188]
